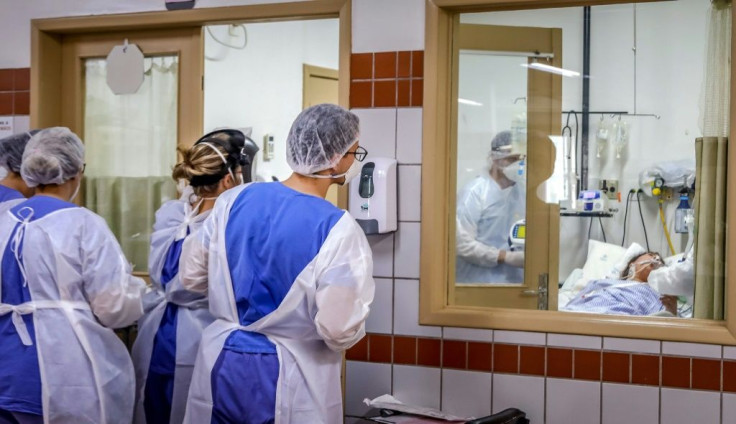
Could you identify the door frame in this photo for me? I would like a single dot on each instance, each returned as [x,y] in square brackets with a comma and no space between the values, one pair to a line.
[48,101]
[544,104]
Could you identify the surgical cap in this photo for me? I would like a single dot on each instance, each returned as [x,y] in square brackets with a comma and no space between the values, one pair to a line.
[501,145]
[53,156]
[11,150]
[319,137]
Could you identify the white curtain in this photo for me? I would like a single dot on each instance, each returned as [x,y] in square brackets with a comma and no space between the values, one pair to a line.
[716,92]
[130,145]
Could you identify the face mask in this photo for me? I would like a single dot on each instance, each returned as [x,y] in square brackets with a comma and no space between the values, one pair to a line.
[515,172]
[76,191]
[351,173]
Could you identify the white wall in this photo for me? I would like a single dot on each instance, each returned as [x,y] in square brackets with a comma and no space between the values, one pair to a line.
[261,86]
[670,46]
[16,16]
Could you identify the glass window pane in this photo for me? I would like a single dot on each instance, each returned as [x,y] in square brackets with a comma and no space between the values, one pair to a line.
[131,144]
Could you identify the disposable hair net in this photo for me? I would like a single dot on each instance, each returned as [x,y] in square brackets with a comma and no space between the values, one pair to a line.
[11,150]
[501,145]
[319,137]
[52,156]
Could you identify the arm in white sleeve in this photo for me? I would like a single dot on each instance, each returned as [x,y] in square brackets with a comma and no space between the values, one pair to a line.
[677,279]
[345,285]
[467,247]
[113,292]
[194,260]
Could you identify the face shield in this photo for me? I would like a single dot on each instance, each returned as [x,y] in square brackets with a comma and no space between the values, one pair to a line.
[241,150]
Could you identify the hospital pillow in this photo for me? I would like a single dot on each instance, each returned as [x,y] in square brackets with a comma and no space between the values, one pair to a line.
[630,254]
[600,261]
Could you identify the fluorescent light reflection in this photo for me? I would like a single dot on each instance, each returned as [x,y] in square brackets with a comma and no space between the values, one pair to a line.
[553,69]
[469,102]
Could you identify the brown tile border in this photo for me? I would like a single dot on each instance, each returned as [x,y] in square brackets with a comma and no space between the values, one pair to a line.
[480,356]
[15,85]
[454,354]
[547,361]
[386,79]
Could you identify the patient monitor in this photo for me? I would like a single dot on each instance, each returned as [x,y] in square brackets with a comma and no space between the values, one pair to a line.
[517,235]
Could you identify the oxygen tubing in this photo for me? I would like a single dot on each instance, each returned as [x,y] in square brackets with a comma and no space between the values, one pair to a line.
[666,231]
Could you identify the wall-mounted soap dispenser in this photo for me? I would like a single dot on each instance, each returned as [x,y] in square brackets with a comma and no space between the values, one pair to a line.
[373,196]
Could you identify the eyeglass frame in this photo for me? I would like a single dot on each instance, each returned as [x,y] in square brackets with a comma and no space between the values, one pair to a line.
[360,153]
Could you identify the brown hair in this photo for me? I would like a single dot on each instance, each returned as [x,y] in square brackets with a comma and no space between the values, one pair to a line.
[201,166]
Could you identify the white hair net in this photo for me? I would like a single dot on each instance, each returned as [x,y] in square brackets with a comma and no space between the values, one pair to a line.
[52,156]
[501,145]
[11,150]
[319,137]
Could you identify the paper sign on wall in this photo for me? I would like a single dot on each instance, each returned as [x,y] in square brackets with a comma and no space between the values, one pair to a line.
[125,68]
[6,126]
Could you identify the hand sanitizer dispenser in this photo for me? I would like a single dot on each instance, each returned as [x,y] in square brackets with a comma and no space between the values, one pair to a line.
[373,196]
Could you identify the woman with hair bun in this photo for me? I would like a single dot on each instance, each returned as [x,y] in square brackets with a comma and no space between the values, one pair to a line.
[64,284]
[169,332]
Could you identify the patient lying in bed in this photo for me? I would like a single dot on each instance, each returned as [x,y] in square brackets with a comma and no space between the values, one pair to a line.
[629,295]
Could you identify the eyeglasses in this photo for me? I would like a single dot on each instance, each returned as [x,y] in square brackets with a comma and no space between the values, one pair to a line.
[360,153]
[84,166]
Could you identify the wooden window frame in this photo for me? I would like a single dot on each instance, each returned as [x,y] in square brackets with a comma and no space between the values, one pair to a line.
[435,228]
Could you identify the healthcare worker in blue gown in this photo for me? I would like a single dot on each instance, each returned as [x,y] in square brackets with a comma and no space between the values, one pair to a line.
[13,189]
[64,285]
[289,284]
[169,332]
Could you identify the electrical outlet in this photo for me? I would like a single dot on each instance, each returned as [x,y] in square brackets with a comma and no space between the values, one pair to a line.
[609,188]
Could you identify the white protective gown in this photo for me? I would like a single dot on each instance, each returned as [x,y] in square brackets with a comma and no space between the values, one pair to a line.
[485,214]
[70,286]
[175,220]
[309,319]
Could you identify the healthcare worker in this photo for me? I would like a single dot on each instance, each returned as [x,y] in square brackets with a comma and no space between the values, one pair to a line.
[487,208]
[13,189]
[169,332]
[289,283]
[65,285]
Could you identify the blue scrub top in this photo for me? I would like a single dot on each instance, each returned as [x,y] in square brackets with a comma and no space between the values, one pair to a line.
[7,193]
[269,240]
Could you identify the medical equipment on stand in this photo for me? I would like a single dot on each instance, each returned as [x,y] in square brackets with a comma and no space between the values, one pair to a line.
[675,174]
[602,134]
[373,196]
[517,235]
[518,134]
[620,136]
[569,169]
[682,213]
[592,201]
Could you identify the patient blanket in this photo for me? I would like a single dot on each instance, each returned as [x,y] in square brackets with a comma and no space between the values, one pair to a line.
[621,297]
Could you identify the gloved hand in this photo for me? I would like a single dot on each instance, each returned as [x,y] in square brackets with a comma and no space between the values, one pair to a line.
[515,259]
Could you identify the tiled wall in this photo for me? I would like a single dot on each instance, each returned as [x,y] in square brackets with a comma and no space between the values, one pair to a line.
[15,86]
[480,372]
[555,378]
[15,96]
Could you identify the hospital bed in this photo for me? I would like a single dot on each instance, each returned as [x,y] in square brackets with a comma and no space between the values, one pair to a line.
[605,260]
